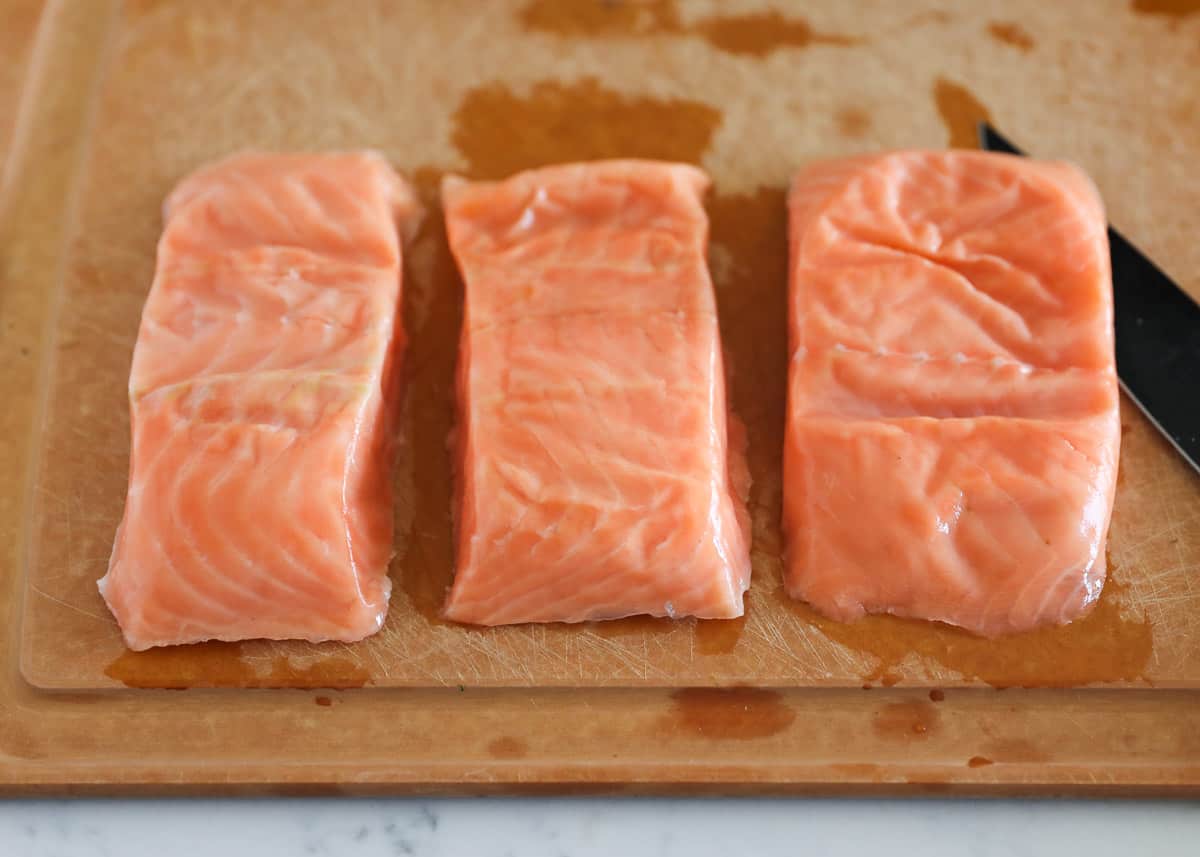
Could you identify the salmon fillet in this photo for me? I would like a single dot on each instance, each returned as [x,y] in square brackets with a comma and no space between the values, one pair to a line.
[591,450]
[952,426]
[261,393]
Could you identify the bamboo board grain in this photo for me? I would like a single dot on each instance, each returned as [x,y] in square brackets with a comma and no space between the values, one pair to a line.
[122,102]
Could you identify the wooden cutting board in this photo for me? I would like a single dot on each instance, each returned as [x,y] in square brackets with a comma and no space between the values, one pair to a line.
[120,102]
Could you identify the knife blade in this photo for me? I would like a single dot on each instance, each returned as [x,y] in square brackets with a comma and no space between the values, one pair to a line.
[1157,328]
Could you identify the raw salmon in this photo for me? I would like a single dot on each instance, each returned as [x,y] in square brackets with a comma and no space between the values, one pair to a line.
[952,426]
[592,440]
[261,393]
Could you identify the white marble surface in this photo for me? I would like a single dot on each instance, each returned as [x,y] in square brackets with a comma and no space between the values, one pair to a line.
[586,827]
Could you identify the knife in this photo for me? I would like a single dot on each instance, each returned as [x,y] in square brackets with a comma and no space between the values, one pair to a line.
[1157,335]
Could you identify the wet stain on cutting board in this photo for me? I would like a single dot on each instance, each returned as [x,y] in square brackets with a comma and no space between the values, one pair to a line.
[853,122]
[501,132]
[432,313]
[210,665]
[507,747]
[1167,8]
[960,111]
[1104,646]
[735,713]
[1011,34]
[748,258]
[760,34]
[751,34]
[719,636]
[907,721]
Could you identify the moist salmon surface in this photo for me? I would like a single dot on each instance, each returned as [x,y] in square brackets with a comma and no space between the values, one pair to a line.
[261,392]
[591,450]
[952,421]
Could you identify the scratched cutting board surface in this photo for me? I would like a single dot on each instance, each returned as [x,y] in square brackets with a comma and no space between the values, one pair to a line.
[121,101]
[750,98]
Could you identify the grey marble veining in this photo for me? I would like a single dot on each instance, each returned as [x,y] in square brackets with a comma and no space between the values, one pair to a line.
[596,828]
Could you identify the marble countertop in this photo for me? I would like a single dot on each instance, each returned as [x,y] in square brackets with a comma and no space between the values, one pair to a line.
[584,827]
